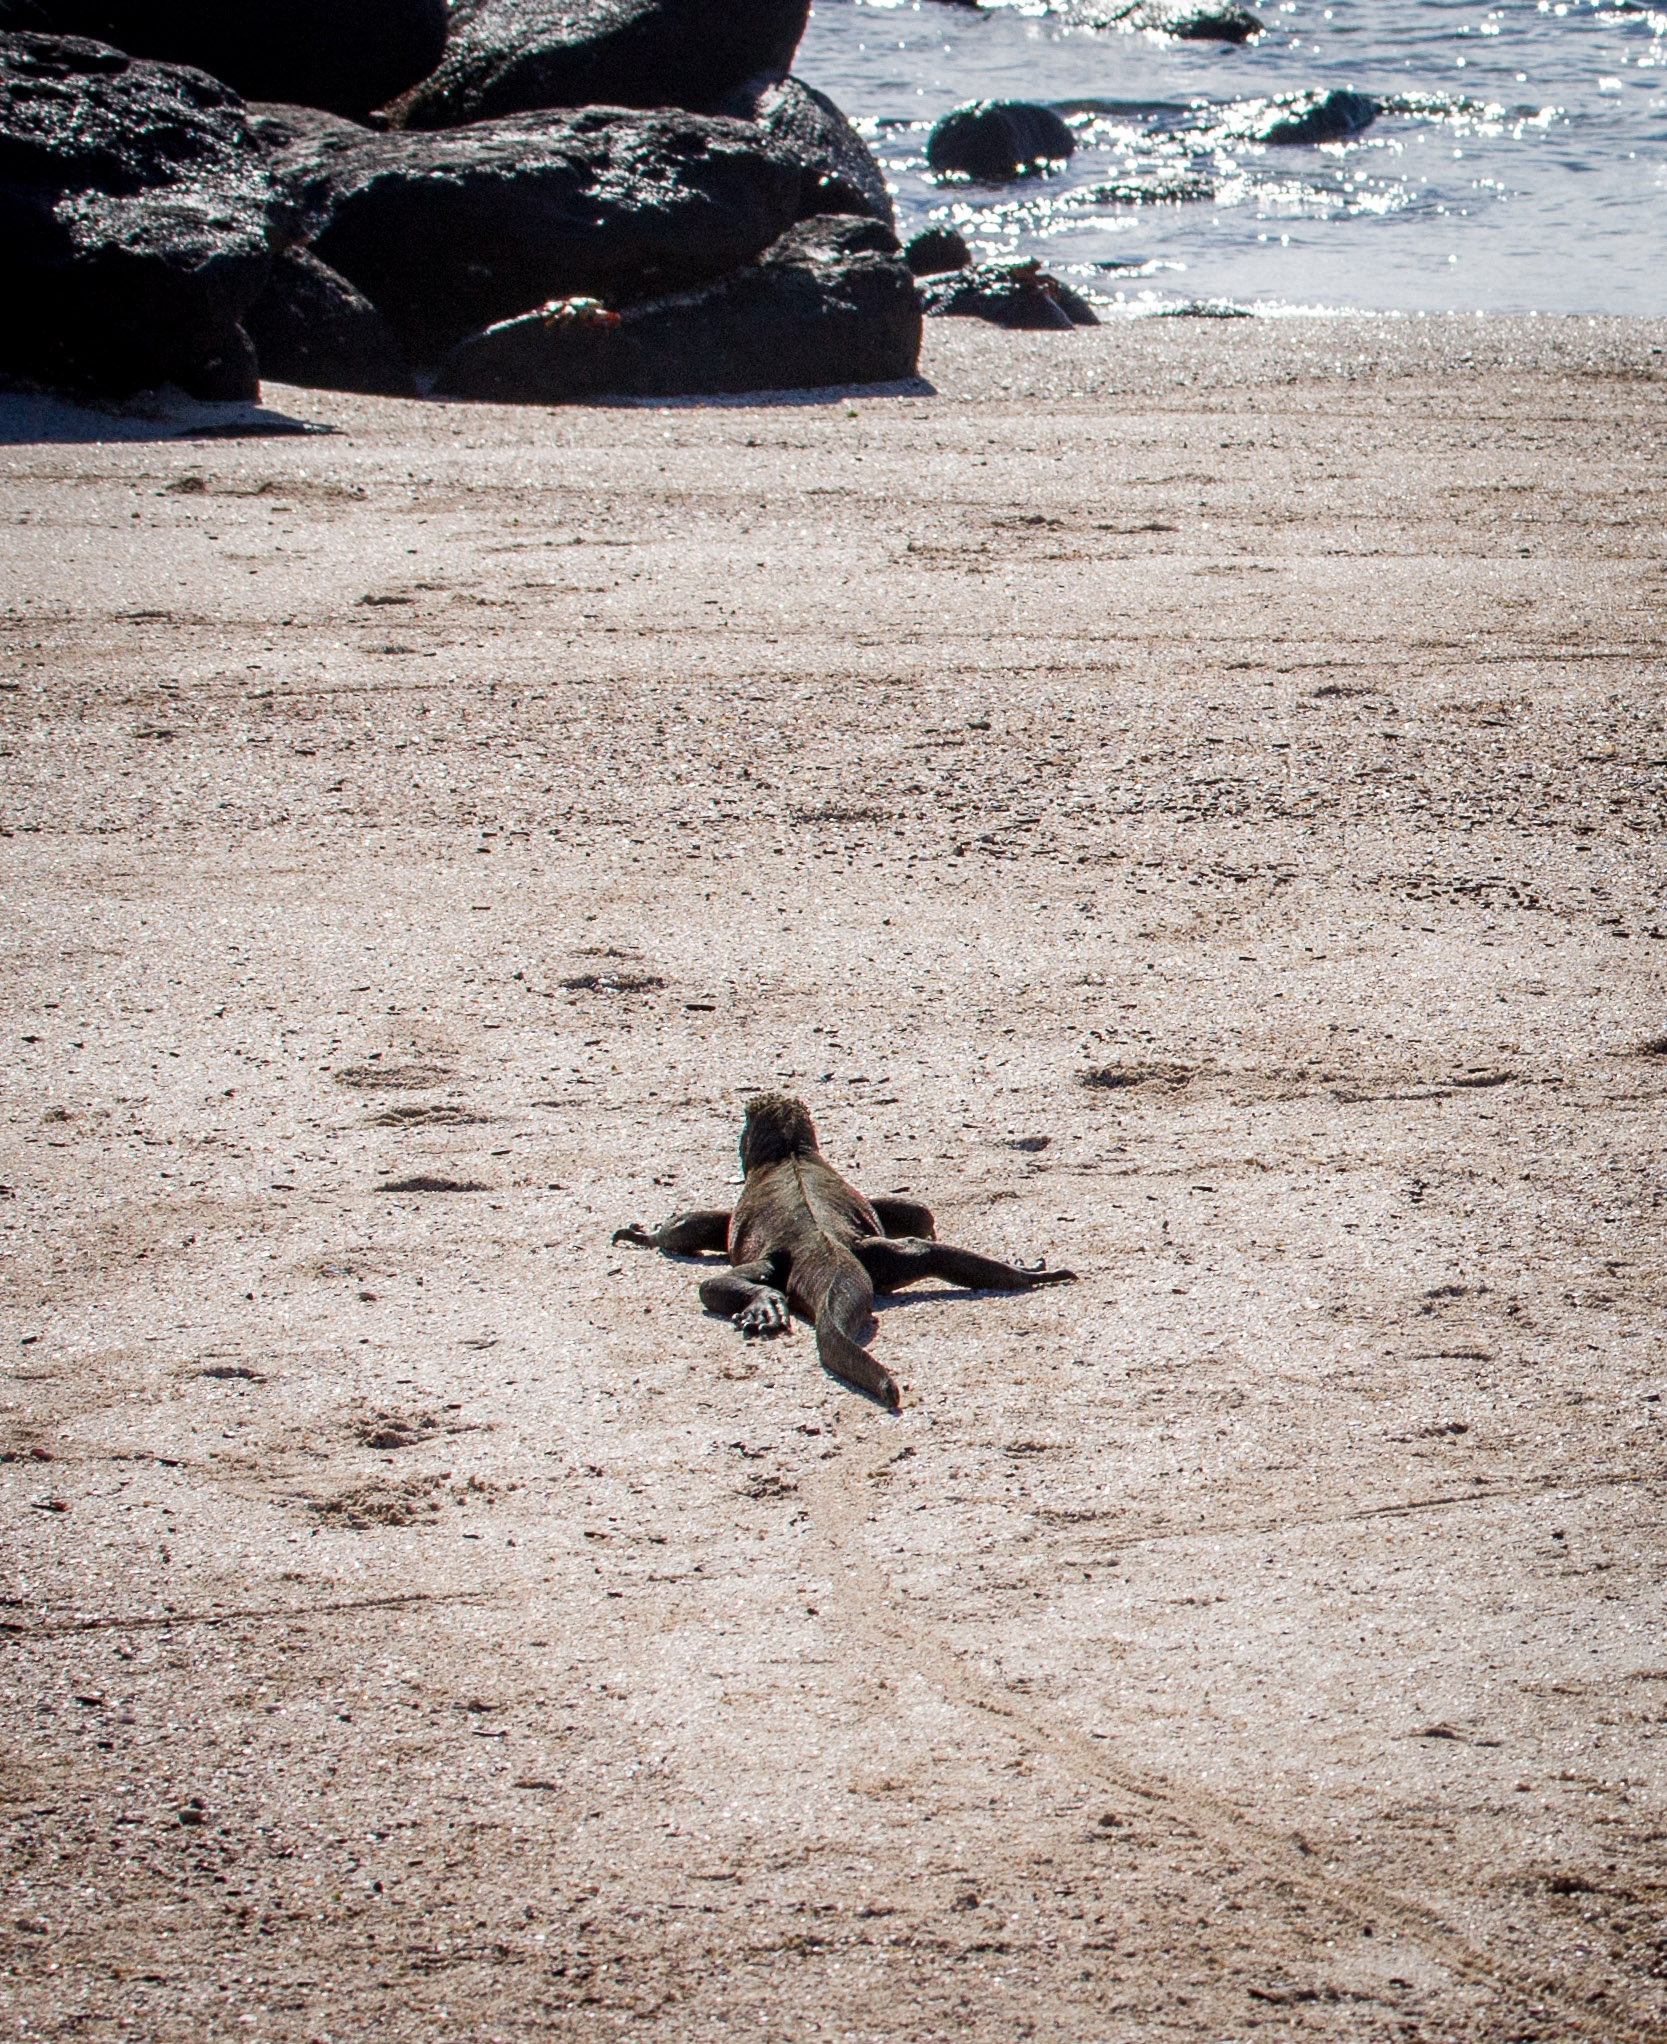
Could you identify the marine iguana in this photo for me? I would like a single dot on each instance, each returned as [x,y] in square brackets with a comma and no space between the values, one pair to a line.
[804,1241]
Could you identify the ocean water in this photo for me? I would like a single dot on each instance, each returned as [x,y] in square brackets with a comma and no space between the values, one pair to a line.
[1519,163]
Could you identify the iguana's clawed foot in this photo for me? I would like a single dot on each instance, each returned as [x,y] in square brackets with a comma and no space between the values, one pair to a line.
[764,1318]
[644,1238]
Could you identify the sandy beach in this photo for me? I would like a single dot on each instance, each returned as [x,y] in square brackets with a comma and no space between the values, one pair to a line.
[1183,799]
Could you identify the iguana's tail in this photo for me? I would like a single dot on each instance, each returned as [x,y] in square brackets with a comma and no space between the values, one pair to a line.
[845,1312]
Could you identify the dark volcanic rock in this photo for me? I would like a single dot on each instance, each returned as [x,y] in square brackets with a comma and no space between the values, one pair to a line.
[838,170]
[1304,117]
[133,220]
[308,154]
[517,56]
[831,303]
[348,55]
[937,250]
[310,326]
[448,232]
[995,141]
[1015,294]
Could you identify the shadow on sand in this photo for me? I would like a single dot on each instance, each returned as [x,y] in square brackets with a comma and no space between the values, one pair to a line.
[31,418]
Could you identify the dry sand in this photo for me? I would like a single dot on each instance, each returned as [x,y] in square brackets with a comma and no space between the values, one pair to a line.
[421,1623]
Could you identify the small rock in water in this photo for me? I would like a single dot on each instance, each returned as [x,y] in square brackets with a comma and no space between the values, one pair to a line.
[1304,117]
[1203,22]
[1229,24]
[995,141]
[516,56]
[832,302]
[937,250]
[1011,294]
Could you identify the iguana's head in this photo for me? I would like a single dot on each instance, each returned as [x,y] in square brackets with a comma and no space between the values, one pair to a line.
[777,1126]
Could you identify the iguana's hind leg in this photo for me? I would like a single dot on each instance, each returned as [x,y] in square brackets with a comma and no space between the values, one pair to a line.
[905,1217]
[892,1264]
[683,1235]
[751,1296]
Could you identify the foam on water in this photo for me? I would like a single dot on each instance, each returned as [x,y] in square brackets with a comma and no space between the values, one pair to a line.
[1518,164]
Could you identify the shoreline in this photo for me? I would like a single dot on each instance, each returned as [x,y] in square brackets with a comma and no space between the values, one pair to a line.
[964,353]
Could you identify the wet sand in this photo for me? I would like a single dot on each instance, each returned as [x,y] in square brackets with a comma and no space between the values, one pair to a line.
[1183,800]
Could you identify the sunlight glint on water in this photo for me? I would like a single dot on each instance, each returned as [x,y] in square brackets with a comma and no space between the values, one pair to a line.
[1520,164]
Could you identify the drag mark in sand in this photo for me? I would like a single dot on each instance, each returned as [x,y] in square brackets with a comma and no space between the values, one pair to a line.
[870,1607]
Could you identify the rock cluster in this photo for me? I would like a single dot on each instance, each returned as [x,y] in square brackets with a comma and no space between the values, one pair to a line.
[566,198]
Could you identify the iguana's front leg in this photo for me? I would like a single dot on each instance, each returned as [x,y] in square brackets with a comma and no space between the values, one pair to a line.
[684,1234]
[752,1296]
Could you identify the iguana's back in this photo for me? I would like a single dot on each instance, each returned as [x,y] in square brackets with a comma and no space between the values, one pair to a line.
[798,1217]
[801,1209]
